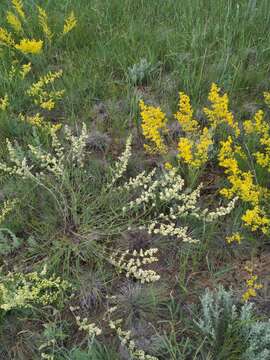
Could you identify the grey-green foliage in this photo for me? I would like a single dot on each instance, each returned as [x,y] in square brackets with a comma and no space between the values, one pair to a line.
[258,340]
[8,242]
[232,330]
[218,313]
[141,71]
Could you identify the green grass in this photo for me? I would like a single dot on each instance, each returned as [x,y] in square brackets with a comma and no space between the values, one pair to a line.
[193,43]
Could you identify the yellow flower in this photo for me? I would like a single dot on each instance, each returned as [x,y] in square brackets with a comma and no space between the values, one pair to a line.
[202,147]
[219,111]
[26,68]
[28,46]
[153,124]
[262,159]
[6,38]
[252,285]
[37,88]
[266,95]
[257,124]
[250,292]
[255,219]
[18,6]
[234,237]
[168,166]
[4,103]
[185,150]
[226,157]
[14,21]
[248,126]
[70,23]
[185,114]
[242,182]
[42,97]
[48,105]
[55,127]
[18,290]
[36,120]
[195,153]
[43,22]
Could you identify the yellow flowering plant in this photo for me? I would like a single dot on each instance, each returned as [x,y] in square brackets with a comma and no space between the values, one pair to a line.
[44,98]
[252,285]
[19,291]
[243,152]
[154,127]
[192,148]
[20,36]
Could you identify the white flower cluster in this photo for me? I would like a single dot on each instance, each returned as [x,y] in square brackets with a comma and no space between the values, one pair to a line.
[167,188]
[77,144]
[90,328]
[121,165]
[140,180]
[125,338]
[157,227]
[48,161]
[19,165]
[221,211]
[47,346]
[8,206]
[132,263]
[167,191]
[47,356]
[53,162]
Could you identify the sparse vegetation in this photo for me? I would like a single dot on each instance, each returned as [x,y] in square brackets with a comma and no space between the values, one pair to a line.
[134,169]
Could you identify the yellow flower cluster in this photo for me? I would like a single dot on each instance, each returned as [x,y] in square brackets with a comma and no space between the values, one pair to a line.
[70,23]
[193,148]
[256,219]
[38,121]
[29,46]
[236,237]
[46,99]
[234,156]
[18,7]
[16,21]
[4,103]
[259,126]
[242,185]
[266,95]
[185,146]
[219,111]
[153,127]
[21,71]
[185,115]
[252,285]
[43,22]
[6,38]
[25,69]
[195,153]
[18,290]
[168,166]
